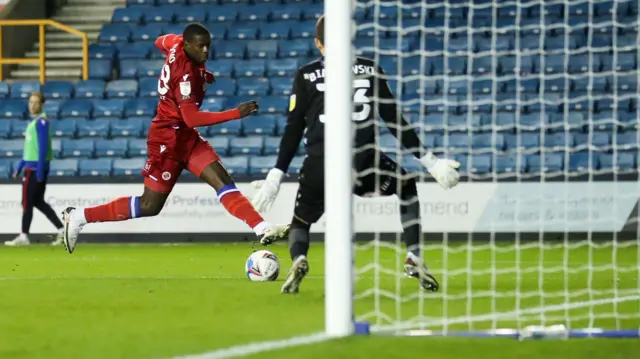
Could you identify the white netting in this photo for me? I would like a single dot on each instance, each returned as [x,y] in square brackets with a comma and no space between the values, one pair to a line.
[539,102]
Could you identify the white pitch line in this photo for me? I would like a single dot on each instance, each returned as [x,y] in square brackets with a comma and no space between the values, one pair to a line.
[253,348]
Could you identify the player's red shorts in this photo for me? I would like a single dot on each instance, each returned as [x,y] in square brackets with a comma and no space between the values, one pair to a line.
[171,149]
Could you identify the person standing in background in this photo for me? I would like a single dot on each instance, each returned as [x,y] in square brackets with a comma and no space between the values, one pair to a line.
[36,158]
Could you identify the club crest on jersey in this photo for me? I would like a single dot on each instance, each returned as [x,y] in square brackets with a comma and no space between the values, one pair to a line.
[166,176]
[185,89]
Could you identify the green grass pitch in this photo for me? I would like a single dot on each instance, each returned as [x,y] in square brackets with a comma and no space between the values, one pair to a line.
[159,301]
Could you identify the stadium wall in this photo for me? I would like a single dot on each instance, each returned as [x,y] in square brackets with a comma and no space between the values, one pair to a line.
[192,213]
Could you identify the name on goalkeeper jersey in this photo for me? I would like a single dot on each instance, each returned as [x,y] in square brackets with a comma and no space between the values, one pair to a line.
[357,70]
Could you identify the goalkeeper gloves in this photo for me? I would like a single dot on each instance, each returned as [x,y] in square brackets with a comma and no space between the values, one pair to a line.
[444,171]
[267,190]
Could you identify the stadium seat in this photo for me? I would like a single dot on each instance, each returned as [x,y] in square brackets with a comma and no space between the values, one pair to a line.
[122,88]
[282,67]
[229,49]
[225,86]
[236,165]
[148,32]
[281,85]
[108,108]
[149,68]
[186,14]
[159,14]
[583,161]
[267,49]
[214,104]
[66,167]
[77,148]
[253,86]
[11,148]
[95,167]
[6,168]
[4,90]
[251,145]
[259,125]
[100,69]
[52,108]
[250,68]
[134,50]
[57,89]
[18,127]
[115,33]
[128,14]
[294,48]
[64,128]
[551,162]
[510,163]
[100,127]
[76,108]
[102,51]
[131,127]
[23,89]
[274,104]
[260,165]
[242,31]
[271,145]
[90,89]
[621,161]
[141,107]
[5,128]
[137,147]
[13,108]
[276,30]
[128,167]
[148,87]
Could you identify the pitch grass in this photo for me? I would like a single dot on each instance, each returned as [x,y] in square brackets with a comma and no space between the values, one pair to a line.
[152,301]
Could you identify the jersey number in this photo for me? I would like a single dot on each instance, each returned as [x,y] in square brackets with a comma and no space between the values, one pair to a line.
[359,98]
[163,82]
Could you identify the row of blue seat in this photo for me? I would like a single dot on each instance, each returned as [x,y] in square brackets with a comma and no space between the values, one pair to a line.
[267,145]
[470,164]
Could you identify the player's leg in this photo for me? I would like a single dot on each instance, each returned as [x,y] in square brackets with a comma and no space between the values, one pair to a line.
[308,209]
[391,179]
[205,164]
[28,193]
[40,203]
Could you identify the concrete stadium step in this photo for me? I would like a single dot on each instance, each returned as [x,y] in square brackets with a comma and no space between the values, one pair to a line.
[75,45]
[51,36]
[56,54]
[50,73]
[82,9]
[54,64]
[67,19]
[96,2]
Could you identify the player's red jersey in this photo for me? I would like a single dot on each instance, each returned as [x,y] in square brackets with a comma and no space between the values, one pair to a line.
[181,80]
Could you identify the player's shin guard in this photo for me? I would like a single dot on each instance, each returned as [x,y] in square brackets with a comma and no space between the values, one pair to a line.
[121,209]
[298,238]
[239,206]
[410,217]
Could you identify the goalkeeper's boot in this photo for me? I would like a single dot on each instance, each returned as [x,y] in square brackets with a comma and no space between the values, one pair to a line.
[415,267]
[59,239]
[274,234]
[298,271]
[72,228]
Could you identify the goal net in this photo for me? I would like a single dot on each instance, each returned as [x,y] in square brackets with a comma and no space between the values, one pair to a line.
[538,101]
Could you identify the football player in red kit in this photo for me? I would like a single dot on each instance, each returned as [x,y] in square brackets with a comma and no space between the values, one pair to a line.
[174,144]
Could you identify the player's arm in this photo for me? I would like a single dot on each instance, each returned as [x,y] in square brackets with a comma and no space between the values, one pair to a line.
[293,132]
[294,129]
[395,121]
[165,42]
[443,170]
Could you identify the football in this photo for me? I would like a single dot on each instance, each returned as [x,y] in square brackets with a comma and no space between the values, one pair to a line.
[262,266]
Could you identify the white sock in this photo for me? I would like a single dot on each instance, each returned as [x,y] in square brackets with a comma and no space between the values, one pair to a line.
[78,215]
[261,227]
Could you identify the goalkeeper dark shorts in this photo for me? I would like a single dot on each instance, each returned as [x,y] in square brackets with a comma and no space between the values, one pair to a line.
[380,180]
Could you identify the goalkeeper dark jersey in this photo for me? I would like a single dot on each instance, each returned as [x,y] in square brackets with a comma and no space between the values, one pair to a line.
[372,98]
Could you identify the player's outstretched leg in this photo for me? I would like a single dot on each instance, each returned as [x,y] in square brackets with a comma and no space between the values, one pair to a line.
[238,205]
[121,209]
[414,265]
[298,248]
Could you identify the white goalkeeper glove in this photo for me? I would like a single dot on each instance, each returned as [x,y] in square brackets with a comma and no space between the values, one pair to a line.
[267,190]
[444,171]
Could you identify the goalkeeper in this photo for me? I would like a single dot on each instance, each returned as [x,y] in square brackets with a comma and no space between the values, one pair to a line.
[377,174]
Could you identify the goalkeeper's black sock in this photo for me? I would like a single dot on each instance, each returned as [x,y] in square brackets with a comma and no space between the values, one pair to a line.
[410,217]
[298,241]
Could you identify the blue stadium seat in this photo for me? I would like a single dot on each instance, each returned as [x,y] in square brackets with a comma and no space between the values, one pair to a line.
[281,85]
[242,31]
[77,148]
[18,127]
[274,104]
[626,140]
[102,51]
[150,68]
[251,145]
[131,127]
[229,49]
[161,14]
[108,108]
[128,167]
[220,144]
[134,50]
[5,168]
[52,108]
[550,162]
[593,83]
[488,141]
[100,69]
[226,128]
[458,141]
[66,167]
[57,89]
[303,30]
[271,145]
[276,30]
[510,163]
[226,13]
[95,167]
[100,127]
[259,125]
[13,108]
[596,139]
[4,90]
[76,108]
[480,164]
[137,147]
[148,87]
[267,49]
[225,86]
[218,30]
[294,48]
[558,141]
[624,161]
[296,165]
[64,128]
[191,14]
[583,161]
[141,107]
[148,32]
[90,89]
[11,148]
[122,88]
[140,2]
[282,67]
[251,68]
[221,67]
[111,148]
[214,104]
[5,128]
[253,86]
[236,165]
[127,14]
[115,33]
[313,11]
[260,165]
[627,83]
[23,89]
